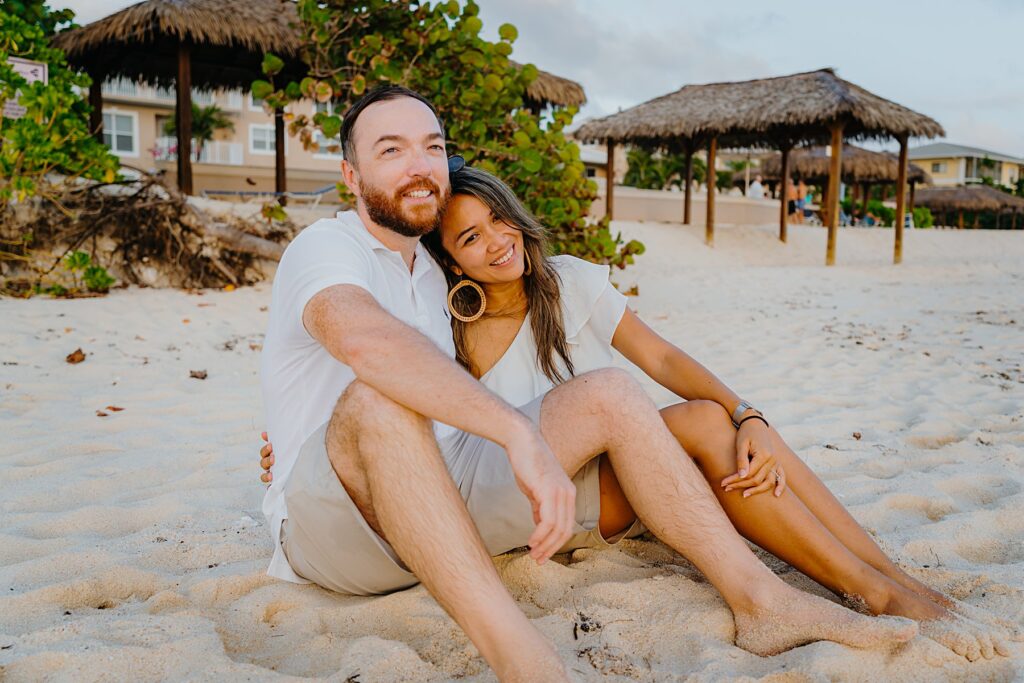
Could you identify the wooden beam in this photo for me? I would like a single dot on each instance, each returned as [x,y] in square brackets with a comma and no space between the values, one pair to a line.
[609,192]
[688,190]
[712,178]
[280,180]
[835,170]
[96,102]
[784,196]
[183,118]
[901,196]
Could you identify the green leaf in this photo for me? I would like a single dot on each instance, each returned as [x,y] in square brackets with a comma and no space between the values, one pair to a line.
[330,126]
[531,160]
[508,32]
[272,64]
[261,89]
[472,25]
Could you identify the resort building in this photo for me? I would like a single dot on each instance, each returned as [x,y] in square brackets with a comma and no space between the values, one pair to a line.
[950,164]
[134,116]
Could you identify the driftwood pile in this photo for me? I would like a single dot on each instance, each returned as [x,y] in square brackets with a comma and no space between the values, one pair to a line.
[143,232]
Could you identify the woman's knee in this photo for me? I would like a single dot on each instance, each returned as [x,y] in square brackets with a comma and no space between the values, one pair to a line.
[704,430]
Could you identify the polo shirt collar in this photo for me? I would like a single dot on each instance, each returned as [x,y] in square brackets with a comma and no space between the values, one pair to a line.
[423,258]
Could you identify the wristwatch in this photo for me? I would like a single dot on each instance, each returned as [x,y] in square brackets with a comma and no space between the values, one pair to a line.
[743,407]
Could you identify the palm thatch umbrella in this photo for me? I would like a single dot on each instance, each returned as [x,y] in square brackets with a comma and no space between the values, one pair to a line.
[811,107]
[204,43]
[860,168]
[974,198]
[548,88]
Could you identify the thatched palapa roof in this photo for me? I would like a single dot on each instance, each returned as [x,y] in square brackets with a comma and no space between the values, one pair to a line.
[859,166]
[762,112]
[548,88]
[969,198]
[140,42]
[230,37]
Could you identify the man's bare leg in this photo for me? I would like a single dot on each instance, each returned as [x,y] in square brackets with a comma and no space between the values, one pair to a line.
[607,411]
[387,459]
[832,549]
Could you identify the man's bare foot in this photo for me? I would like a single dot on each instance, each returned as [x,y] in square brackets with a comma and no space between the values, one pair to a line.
[794,618]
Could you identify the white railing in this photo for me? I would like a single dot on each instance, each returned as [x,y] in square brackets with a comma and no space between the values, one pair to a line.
[233,100]
[120,86]
[165,93]
[202,97]
[214,152]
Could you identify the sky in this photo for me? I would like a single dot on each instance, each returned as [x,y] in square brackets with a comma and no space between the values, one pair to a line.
[958,62]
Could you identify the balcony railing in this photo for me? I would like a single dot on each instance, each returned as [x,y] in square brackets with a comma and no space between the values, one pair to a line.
[213,152]
[120,86]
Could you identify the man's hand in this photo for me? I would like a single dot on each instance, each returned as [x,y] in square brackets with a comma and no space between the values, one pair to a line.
[551,493]
[757,470]
[266,460]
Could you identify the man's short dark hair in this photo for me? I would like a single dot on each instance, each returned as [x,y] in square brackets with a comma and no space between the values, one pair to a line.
[379,94]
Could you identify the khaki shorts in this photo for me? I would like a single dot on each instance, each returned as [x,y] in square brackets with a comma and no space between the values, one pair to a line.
[327,541]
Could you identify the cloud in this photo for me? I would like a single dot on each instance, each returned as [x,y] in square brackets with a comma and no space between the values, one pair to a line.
[619,64]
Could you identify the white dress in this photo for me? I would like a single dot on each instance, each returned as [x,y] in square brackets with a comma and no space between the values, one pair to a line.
[591,311]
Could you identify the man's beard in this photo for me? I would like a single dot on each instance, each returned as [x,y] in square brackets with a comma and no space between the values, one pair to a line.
[387,211]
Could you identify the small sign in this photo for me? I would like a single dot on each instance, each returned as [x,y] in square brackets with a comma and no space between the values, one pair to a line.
[31,71]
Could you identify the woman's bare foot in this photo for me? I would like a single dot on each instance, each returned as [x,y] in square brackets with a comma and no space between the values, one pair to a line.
[792,618]
[965,636]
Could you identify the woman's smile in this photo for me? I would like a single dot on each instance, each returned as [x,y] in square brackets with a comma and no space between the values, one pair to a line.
[505,258]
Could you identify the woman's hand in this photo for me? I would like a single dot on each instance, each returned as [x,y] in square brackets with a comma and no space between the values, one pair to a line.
[266,460]
[757,468]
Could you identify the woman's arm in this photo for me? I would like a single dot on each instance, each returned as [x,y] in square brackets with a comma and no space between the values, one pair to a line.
[674,369]
[668,365]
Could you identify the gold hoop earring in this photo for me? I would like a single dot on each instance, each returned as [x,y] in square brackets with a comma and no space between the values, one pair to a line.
[479,291]
[529,266]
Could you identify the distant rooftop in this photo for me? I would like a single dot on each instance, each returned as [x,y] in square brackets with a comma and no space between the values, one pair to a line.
[948,149]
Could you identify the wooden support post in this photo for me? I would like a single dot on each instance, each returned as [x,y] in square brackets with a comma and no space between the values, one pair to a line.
[688,191]
[960,219]
[901,195]
[913,186]
[835,170]
[784,196]
[712,178]
[183,118]
[609,192]
[280,180]
[867,196]
[96,102]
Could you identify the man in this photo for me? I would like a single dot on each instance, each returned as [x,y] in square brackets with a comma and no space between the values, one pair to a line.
[756,189]
[375,424]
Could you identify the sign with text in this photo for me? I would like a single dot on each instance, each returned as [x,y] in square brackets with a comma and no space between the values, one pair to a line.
[32,72]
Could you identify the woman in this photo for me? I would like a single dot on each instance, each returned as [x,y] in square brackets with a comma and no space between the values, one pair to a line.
[523,322]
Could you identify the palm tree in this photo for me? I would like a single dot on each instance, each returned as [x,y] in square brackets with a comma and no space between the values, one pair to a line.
[206,121]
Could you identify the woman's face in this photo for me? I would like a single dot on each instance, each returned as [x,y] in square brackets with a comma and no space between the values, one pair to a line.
[485,249]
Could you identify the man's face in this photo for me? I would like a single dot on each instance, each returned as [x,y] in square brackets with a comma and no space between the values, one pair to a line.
[401,167]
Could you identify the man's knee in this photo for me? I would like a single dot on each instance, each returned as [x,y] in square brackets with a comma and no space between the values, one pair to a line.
[363,407]
[613,389]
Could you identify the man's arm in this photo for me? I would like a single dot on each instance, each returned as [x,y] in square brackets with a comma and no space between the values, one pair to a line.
[404,365]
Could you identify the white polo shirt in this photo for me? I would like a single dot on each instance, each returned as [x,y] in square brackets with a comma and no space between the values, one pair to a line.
[301,381]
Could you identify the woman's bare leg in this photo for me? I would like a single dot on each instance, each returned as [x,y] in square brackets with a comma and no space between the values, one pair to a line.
[823,541]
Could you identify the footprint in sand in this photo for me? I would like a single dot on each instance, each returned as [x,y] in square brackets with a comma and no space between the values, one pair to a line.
[983,490]
[991,550]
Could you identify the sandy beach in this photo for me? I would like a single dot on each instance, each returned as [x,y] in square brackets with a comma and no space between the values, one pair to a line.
[132,546]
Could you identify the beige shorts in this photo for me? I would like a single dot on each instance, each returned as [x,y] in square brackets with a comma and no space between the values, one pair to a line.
[327,541]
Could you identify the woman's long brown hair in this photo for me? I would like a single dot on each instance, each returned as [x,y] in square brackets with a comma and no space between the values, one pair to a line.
[542,285]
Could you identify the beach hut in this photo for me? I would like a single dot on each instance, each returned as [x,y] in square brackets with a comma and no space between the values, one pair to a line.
[207,44]
[861,168]
[211,44]
[976,199]
[779,113]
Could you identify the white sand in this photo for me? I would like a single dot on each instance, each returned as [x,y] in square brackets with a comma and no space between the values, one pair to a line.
[132,546]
